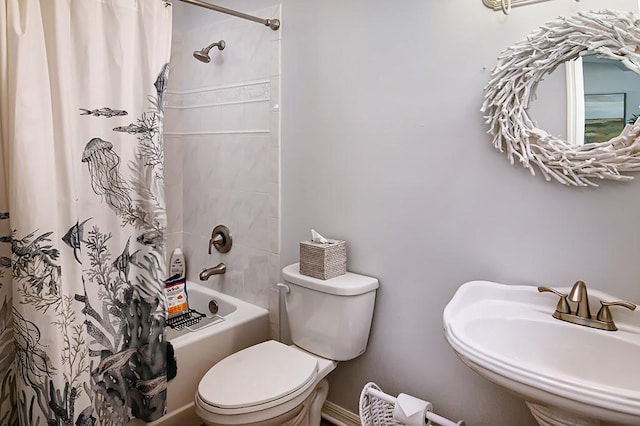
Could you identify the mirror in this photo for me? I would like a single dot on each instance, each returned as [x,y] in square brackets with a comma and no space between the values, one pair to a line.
[606,35]
[606,93]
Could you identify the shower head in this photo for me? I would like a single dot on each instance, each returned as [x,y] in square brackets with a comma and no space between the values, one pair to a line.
[203,54]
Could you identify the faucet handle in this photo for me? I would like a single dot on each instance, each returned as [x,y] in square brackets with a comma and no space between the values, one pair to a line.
[562,306]
[216,240]
[604,314]
[220,239]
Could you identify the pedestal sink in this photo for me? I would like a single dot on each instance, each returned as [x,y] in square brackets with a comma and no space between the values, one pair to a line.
[568,374]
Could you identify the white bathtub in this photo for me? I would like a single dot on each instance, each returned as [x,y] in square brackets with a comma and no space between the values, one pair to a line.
[242,325]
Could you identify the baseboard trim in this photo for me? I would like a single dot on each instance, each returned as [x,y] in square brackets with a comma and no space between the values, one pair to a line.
[338,415]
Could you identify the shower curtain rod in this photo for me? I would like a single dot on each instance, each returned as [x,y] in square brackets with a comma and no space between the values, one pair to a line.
[274,24]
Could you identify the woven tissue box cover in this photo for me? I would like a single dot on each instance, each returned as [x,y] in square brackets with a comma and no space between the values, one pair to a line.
[323,260]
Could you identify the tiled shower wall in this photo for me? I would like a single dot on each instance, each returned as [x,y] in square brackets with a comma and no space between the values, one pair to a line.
[222,148]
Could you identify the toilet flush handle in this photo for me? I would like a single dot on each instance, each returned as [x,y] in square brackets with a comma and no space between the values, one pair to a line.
[284,287]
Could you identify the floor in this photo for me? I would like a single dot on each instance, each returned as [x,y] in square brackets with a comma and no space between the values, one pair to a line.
[323,422]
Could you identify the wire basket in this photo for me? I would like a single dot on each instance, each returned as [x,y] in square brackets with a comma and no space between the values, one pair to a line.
[192,317]
[375,411]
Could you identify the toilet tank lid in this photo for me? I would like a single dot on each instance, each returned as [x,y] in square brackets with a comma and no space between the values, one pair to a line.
[349,284]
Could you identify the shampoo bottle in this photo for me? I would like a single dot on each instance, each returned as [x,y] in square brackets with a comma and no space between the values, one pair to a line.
[177,266]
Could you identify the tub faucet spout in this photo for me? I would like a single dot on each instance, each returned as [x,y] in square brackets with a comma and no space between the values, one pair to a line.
[219,269]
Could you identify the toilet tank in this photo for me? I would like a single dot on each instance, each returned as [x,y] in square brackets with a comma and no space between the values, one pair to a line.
[330,318]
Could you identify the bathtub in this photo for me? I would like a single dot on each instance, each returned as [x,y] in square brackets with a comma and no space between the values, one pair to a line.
[235,326]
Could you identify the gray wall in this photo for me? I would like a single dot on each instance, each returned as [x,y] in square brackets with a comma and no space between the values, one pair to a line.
[383,145]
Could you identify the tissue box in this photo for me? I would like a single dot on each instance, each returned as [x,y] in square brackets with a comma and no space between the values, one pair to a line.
[323,261]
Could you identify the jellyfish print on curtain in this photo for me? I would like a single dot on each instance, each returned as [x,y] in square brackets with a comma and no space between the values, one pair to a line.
[82,211]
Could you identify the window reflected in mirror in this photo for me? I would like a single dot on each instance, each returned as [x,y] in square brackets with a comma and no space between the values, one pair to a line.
[604,116]
[603,95]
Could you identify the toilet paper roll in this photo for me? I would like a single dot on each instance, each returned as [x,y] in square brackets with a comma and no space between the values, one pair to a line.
[411,411]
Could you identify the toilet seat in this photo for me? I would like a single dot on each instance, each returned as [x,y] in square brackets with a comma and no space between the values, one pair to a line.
[257,378]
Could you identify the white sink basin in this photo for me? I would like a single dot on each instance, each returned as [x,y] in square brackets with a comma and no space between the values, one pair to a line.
[575,374]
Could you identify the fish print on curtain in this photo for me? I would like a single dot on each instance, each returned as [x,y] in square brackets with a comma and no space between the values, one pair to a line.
[113,353]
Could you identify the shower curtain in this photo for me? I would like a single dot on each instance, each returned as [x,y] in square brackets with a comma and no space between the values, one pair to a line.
[82,212]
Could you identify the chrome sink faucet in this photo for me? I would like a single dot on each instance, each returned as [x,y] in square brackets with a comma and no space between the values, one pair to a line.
[219,269]
[582,314]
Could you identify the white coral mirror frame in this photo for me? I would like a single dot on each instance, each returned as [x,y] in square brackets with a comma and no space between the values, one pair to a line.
[511,88]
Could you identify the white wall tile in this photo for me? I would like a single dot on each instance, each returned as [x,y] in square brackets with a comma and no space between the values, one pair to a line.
[171,123]
[223,115]
[274,84]
[233,282]
[251,211]
[256,116]
[196,257]
[173,197]
[256,277]
[274,58]
[275,269]
[274,200]
[173,183]
[274,305]
[253,161]
[274,235]
[274,127]
[274,165]
[274,331]
[232,118]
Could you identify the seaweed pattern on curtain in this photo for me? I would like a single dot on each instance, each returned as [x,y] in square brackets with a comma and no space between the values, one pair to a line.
[116,353]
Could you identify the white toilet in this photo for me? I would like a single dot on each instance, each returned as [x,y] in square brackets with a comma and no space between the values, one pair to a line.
[274,384]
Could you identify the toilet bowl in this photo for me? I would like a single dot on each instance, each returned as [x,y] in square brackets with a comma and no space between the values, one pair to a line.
[272,384]
[268,383]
